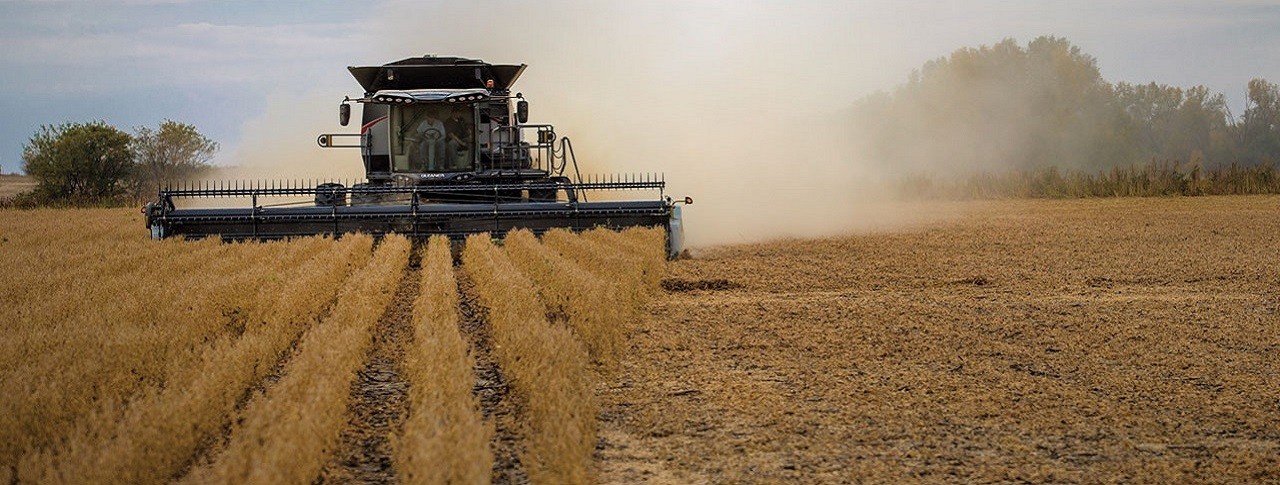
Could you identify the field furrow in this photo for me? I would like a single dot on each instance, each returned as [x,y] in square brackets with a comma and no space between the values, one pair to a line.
[545,365]
[492,388]
[377,399]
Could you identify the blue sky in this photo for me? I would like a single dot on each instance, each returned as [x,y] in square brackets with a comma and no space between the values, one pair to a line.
[221,64]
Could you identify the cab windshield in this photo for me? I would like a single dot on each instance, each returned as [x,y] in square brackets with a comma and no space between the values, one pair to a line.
[432,137]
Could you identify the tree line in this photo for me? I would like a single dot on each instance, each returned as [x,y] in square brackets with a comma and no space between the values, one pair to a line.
[1009,108]
[96,163]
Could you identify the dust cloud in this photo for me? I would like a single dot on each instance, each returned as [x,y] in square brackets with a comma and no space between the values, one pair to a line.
[279,147]
[746,108]
[280,144]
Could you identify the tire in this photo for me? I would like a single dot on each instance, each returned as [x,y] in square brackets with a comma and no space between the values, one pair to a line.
[358,197]
[331,195]
[544,195]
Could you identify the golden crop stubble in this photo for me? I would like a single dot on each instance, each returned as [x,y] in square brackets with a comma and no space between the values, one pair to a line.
[445,438]
[646,244]
[589,303]
[286,434]
[107,343]
[66,272]
[546,365]
[635,275]
[160,432]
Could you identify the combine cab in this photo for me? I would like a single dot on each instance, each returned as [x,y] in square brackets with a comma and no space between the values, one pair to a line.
[447,150]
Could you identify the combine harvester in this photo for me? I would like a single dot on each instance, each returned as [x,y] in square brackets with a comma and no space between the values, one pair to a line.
[447,150]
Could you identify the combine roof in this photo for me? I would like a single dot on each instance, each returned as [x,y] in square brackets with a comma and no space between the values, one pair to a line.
[430,72]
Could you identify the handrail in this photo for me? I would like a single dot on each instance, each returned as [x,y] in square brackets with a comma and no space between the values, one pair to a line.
[328,140]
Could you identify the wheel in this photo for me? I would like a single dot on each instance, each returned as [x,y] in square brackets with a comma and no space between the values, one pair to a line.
[547,194]
[331,195]
[359,196]
[550,194]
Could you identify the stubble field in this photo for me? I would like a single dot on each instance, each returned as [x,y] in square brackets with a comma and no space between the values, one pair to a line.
[1090,340]
[11,185]
[1083,340]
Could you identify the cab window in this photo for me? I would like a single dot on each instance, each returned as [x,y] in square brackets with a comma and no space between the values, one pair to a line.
[432,137]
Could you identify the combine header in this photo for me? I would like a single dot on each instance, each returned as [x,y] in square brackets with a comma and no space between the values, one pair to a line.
[447,150]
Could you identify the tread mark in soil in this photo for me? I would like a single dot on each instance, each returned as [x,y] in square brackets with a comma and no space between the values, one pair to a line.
[491,387]
[376,407]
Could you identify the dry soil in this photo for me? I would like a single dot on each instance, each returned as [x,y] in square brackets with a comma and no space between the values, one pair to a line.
[1082,340]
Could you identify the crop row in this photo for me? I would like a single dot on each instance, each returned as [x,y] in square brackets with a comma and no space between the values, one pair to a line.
[445,438]
[93,327]
[544,364]
[548,363]
[161,429]
[124,360]
[285,434]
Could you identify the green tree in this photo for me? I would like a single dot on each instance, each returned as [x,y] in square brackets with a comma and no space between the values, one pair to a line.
[174,151]
[78,161]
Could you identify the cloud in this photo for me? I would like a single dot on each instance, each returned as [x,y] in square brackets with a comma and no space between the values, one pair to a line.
[99,3]
[195,54]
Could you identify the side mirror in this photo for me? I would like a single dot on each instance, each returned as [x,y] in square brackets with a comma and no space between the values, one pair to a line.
[522,111]
[344,114]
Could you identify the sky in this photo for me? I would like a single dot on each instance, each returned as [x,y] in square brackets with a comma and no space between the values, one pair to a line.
[217,64]
[722,96]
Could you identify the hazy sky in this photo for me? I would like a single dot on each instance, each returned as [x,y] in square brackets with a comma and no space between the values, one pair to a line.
[237,69]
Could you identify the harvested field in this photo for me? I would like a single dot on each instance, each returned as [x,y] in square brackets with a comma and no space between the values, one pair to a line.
[11,185]
[1090,340]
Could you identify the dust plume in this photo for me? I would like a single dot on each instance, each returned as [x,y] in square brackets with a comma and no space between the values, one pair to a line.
[280,144]
[745,109]
[279,147]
